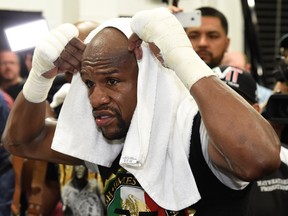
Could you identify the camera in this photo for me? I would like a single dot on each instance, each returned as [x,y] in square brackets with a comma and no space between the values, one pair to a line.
[281,71]
[276,109]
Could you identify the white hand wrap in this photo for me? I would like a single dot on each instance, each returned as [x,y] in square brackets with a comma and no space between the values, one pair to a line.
[162,28]
[36,87]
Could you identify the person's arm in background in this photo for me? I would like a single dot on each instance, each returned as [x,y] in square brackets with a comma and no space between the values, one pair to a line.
[28,132]
[173,9]
[241,140]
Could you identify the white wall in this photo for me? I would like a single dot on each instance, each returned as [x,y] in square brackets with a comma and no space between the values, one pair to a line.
[51,9]
[60,11]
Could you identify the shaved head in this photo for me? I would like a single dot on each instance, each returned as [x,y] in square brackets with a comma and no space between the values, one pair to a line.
[85,27]
[110,72]
[109,41]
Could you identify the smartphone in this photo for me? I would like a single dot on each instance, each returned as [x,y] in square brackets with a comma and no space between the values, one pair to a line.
[189,19]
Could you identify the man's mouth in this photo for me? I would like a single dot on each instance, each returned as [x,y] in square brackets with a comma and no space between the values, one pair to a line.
[103,118]
[203,54]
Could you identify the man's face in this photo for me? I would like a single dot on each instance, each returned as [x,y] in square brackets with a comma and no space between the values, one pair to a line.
[80,171]
[9,66]
[209,40]
[110,73]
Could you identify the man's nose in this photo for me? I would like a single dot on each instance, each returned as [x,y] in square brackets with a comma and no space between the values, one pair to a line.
[99,97]
[203,41]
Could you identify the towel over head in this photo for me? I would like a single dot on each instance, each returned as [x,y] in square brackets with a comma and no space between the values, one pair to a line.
[156,147]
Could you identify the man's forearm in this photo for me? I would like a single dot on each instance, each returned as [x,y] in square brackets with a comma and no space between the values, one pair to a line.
[247,142]
[26,120]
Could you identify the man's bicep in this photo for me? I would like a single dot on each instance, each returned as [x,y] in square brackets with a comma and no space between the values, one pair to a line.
[218,164]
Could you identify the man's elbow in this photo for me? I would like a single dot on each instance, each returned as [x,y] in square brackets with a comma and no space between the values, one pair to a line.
[6,141]
[8,144]
[12,144]
[262,165]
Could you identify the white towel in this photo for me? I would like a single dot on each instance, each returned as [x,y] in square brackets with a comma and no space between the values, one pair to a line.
[59,96]
[156,148]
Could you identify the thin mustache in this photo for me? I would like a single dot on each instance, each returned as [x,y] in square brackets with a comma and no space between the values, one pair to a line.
[204,51]
[106,108]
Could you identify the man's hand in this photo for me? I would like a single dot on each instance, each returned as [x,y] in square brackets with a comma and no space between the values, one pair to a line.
[57,42]
[173,9]
[51,46]
[160,27]
[70,58]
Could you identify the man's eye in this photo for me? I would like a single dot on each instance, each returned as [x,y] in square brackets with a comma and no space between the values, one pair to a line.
[214,36]
[112,81]
[89,84]
[193,36]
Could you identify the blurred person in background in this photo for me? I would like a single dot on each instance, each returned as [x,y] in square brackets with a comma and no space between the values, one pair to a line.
[210,40]
[6,169]
[239,59]
[10,73]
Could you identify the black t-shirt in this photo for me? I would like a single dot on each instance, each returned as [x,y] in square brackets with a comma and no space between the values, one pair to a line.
[216,198]
[269,196]
[14,90]
[125,196]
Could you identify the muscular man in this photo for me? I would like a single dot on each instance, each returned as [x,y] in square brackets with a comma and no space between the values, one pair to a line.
[231,144]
